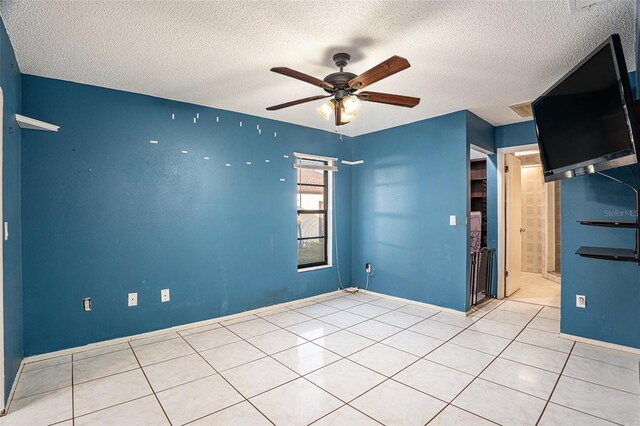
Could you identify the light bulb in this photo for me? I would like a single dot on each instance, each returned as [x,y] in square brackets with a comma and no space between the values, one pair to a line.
[326,109]
[351,104]
[346,118]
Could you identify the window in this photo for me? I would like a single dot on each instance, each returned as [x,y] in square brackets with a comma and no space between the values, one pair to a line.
[313,211]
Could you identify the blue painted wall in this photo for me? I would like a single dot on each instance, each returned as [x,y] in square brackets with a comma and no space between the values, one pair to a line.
[12,267]
[413,178]
[106,213]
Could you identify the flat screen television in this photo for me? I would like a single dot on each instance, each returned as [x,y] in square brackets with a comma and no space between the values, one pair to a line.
[586,122]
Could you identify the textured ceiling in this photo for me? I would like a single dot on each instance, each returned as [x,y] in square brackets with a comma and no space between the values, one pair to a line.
[476,55]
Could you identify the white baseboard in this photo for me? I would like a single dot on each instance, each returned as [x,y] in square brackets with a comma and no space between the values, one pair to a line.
[600,343]
[13,388]
[102,344]
[413,302]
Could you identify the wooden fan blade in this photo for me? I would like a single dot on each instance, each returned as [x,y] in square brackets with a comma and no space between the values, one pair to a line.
[383,70]
[303,77]
[386,98]
[299,101]
[338,115]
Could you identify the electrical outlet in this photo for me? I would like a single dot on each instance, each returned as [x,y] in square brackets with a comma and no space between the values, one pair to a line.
[367,268]
[581,301]
[133,299]
[452,220]
[86,303]
[164,295]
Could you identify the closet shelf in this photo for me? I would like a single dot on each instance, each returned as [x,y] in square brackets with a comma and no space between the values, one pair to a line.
[33,124]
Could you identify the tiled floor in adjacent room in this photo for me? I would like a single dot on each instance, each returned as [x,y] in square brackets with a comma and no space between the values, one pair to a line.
[537,289]
[341,360]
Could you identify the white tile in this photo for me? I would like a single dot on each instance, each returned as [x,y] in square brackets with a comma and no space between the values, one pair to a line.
[439,330]
[599,401]
[276,341]
[211,339]
[545,324]
[496,328]
[343,319]
[535,356]
[51,362]
[43,380]
[500,404]
[194,330]
[519,307]
[602,374]
[521,377]
[316,310]
[389,303]
[177,371]
[610,356]
[555,415]
[100,351]
[108,391]
[461,358]
[144,412]
[258,376]
[141,341]
[550,312]
[400,319]
[459,320]
[312,329]
[509,317]
[419,311]
[232,355]
[306,358]
[383,359]
[437,380]
[295,403]
[287,318]
[342,303]
[344,342]
[414,343]
[252,328]
[240,414]
[41,409]
[368,310]
[482,342]
[162,351]
[393,403]
[345,379]
[545,339]
[197,399]
[344,416]
[104,365]
[374,330]
[453,416]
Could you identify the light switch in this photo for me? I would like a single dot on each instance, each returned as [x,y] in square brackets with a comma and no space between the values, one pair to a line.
[452,220]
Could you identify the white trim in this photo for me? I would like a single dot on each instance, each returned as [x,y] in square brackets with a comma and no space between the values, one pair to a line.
[2,372]
[501,213]
[177,328]
[315,157]
[28,123]
[5,411]
[352,163]
[480,149]
[413,302]
[600,343]
[315,167]
[315,268]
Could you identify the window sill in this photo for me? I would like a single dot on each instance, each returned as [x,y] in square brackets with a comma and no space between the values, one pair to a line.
[315,268]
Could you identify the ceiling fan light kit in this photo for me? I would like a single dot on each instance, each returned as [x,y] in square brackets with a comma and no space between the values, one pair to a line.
[342,86]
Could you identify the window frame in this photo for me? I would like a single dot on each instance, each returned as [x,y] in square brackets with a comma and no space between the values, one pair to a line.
[327,212]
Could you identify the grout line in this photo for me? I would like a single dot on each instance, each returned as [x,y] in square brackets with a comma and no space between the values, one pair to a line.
[546,404]
[149,383]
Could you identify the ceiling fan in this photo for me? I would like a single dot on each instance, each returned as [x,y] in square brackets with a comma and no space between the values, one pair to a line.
[342,87]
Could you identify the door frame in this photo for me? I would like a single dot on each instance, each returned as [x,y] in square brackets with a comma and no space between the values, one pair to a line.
[2,372]
[502,237]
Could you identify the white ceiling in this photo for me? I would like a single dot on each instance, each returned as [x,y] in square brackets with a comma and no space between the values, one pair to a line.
[476,55]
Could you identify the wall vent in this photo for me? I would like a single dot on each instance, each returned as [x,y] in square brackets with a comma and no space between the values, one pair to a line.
[522,109]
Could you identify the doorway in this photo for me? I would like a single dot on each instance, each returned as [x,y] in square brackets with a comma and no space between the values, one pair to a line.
[531,230]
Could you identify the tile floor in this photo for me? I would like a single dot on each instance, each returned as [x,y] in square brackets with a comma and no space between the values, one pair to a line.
[538,290]
[341,360]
